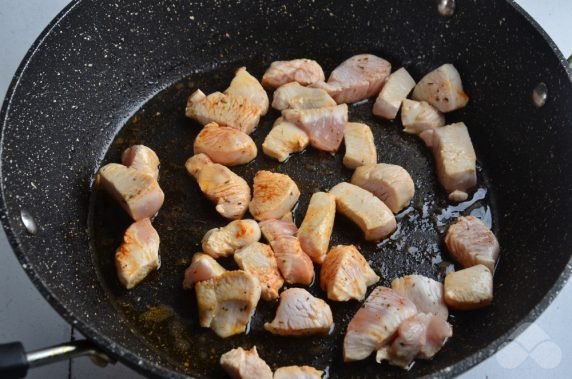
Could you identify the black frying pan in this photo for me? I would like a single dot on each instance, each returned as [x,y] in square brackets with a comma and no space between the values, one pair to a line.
[102,77]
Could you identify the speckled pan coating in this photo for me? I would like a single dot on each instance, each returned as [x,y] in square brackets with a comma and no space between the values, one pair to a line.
[97,63]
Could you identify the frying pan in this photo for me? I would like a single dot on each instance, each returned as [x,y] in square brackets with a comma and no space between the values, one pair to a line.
[104,76]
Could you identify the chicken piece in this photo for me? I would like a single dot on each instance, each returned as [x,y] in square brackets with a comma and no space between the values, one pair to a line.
[138,193]
[418,116]
[295,96]
[284,139]
[325,126]
[455,158]
[376,322]
[390,183]
[225,145]
[245,364]
[228,191]
[301,314]
[316,229]
[470,243]
[470,288]
[138,254]
[394,91]
[274,195]
[259,260]
[234,111]
[203,267]
[442,88]
[223,242]
[274,229]
[372,216]
[360,146]
[425,293]
[345,274]
[303,71]
[298,372]
[143,159]
[245,85]
[227,302]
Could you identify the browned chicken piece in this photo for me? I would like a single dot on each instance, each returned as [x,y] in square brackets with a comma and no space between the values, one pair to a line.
[284,139]
[227,302]
[258,259]
[470,288]
[225,145]
[394,91]
[390,183]
[360,146]
[425,293]
[442,88]
[303,71]
[203,267]
[245,85]
[138,254]
[316,229]
[301,314]
[470,243]
[141,158]
[245,364]
[298,372]
[228,191]
[418,116]
[138,193]
[345,274]
[223,242]
[372,216]
[234,111]
[295,96]
[274,195]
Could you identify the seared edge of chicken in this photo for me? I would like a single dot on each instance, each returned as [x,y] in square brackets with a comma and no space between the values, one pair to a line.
[223,242]
[274,195]
[316,228]
[394,91]
[418,116]
[245,85]
[245,364]
[442,88]
[203,267]
[304,71]
[470,288]
[225,145]
[360,146]
[284,139]
[258,259]
[141,158]
[298,372]
[424,292]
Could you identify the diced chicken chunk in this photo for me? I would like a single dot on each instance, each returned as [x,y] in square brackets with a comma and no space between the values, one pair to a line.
[316,229]
[295,96]
[303,71]
[143,159]
[245,364]
[138,254]
[394,91]
[345,274]
[228,191]
[225,145]
[301,314]
[227,302]
[245,85]
[442,88]
[258,259]
[360,146]
[274,195]
[274,229]
[298,372]
[372,216]
[470,288]
[203,267]
[138,193]
[425,293]
[418,116]
[284,139]
[223,242]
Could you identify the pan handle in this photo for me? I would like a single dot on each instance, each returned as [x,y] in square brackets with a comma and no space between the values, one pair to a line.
[15,361]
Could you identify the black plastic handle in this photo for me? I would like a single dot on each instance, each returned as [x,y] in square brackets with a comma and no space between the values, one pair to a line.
[13,361]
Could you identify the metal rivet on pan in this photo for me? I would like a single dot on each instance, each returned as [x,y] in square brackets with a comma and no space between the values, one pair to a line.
[446,7]
[28,221]
[539,94]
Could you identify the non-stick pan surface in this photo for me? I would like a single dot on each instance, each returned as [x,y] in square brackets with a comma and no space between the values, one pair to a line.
[106,76]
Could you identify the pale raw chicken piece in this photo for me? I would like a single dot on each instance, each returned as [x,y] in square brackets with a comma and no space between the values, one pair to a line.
[223,242]
[316,229]
[143,159]
[373,217]
[303,71]
[325,126]
[138,254]
[345,274]
[418,116]
[375,323]
[455,158]
[227,302]
[394,91]
[295,96]
[442,88]
[284,139]
[298,372]
[245,85]
[258,259]
[225,145]
[273,196]
[360,146]
[470,288]
[234,111]
[274,229]
[138,193]
[245,364]
[203,267]
[392,184]
[228,191]
[470,242]
[425,293]
[301,314]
